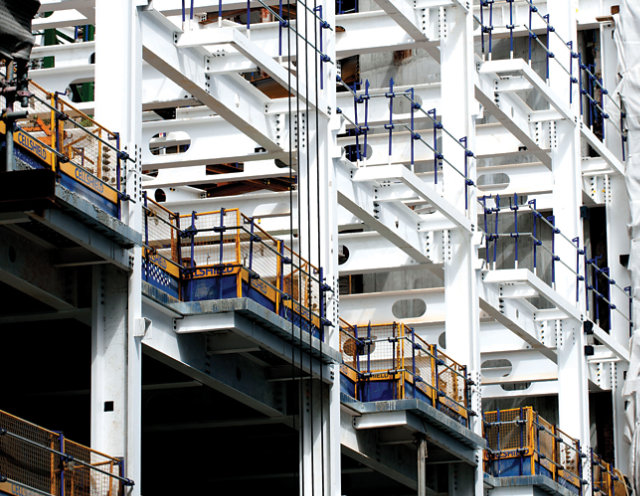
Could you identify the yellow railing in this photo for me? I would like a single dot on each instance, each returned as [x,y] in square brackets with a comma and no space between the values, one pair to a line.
[35,458]
[205,245]
[522,443]
[408,366]
[71,142]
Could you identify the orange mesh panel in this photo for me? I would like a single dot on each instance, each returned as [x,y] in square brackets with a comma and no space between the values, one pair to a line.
[207,241]
[451,380]
[546,443]
[81,480]
[620,487]
[504,438]
[601,475]
[24,462]
[568,458]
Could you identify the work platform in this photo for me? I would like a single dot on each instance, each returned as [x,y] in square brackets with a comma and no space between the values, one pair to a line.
[40,461]
[403,420]
[65,180]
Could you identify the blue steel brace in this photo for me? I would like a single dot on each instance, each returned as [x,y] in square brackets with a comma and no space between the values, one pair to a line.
[323,57]
[549,54]
[146,220]
[572,78]
[283,295]
[180,235]
[467,182]
[467,389]
[146,235]
[603,115]
[119,172]
[629,291]
[191,11]
[587,288]
[390,95]
[488,236]
[365,128]
[521,450]
[623,135]
[490,2]
[413,362]
[579,278]
[436,385]
[358,349]
[495,231]
[184,15]
[220,269]
[323,317]
[498,437]
[356,101]
[393,361]
[596,299]
[437,156]
[340,11]
[536,242]
[579,450]
[515,234]
[251,240]
[62,460]
[192,234]
[281,24]
[532,35]
[483,4]
[368,345]
[554,258]
[248,16]
[610,306]
[510,27]
[411,138]
[590,97]
[582,91]
[220,12]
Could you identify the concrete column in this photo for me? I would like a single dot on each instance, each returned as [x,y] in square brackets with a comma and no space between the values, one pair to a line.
[460,276]
[573,397]
[118,107]
[318,239]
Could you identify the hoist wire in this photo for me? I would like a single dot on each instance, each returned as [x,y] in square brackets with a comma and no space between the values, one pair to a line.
[320,281]
[309,217]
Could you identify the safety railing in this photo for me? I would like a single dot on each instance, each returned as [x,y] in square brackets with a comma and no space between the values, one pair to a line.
[34,460]
[383,362]
[521,443]
[406,127]
[84,154]
[225,254]
[607,480]
[517,235]
[596,102]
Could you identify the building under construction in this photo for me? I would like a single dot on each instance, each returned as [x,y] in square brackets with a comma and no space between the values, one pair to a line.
[355,247]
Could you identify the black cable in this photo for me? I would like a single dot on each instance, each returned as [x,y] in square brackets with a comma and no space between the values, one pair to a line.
[320,282]
[309,289]
[293,253]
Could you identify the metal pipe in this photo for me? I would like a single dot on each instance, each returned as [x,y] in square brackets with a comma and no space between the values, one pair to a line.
[422,466]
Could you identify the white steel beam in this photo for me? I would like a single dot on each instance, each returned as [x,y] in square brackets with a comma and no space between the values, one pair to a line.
[359,199]
[489,99]
[517,316]
[398,172]
[231,146]
[230,96]
[412,20]
[211,37]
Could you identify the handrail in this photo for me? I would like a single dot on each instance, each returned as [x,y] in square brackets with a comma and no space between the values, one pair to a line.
[46,462]
[393,352]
